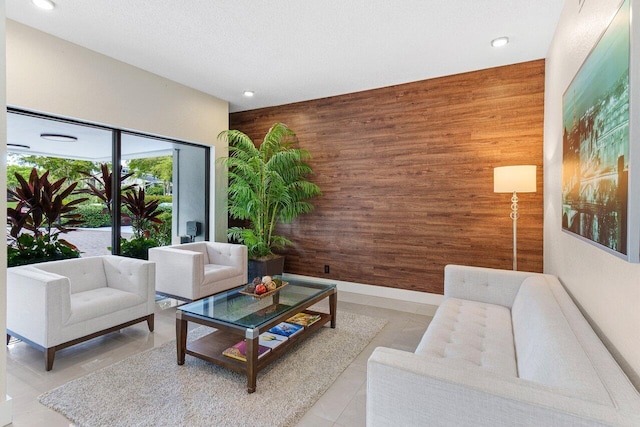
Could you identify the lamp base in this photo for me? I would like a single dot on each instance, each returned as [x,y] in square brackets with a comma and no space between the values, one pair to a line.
[514,216]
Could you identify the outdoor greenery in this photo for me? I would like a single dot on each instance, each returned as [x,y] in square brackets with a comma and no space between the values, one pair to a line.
[139,211]
[159,167]
[163,235]
[158,235]
[266,185]
[58,167]
[137,247]
[39,210]
[143,214]
[30,250]
[160,199]
[101,185]
[156,190]
[42,210]
[94,216]
[12,170]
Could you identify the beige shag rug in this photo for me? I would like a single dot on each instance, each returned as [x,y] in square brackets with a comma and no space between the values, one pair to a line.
[150,389]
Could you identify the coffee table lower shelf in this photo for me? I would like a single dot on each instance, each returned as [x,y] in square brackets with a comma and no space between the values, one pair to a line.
[211,346]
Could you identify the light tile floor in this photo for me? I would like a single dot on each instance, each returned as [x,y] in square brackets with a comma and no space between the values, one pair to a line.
[342,405]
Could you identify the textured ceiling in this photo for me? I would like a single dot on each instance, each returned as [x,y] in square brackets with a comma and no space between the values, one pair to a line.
[289,51]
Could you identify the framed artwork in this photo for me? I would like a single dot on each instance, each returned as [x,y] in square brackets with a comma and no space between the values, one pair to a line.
[595,163]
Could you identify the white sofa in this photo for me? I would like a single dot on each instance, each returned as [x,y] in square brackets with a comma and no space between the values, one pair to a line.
[196,270]
[503,349]
[53,305]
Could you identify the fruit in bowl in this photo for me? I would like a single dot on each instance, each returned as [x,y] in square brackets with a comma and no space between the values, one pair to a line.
[262,285]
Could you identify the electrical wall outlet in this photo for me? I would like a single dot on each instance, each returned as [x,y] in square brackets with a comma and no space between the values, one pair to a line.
[326,268]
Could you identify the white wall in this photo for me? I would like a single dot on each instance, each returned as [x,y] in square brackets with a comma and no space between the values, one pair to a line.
[606,287]
[5,402]
[50,75]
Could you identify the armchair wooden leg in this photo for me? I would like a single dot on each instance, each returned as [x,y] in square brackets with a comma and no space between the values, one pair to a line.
[8,338]
[49,354]
[150,322]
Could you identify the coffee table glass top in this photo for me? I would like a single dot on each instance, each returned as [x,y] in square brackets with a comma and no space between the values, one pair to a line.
[250,312]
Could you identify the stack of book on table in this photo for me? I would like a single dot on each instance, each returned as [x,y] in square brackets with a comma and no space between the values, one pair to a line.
[239,351]
[304,319]
[274,336]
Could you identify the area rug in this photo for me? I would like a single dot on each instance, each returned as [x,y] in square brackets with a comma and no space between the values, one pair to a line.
[150,389]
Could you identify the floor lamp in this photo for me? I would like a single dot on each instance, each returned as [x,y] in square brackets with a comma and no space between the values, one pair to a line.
[514,179]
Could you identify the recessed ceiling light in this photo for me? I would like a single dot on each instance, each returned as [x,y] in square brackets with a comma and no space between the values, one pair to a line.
[500,41]
[44,4]
[58,137]
[249,93]
[26,147]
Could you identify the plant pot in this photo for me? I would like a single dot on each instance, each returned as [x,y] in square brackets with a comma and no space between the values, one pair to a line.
[268,267]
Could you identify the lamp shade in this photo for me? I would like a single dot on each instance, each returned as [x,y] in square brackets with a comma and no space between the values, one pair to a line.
[521,179]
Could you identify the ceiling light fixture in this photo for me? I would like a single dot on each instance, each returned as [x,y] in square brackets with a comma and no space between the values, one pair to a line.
[44,4]
[58,138]
[26,147]
[500,41]
[249,93]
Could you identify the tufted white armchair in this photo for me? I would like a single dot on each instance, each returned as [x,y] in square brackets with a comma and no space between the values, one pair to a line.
[196,270]
[53,305]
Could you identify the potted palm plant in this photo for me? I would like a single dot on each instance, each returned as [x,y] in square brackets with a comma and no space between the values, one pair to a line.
[267,184]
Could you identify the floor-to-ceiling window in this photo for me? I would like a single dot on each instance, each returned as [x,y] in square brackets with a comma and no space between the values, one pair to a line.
[162,183]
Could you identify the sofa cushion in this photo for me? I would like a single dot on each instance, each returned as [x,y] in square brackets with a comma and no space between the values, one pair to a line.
[546,346]
[214,272]
[474,333]
[84,273]
[98,302]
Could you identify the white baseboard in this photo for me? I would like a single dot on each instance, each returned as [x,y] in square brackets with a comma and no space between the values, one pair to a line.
[378,291]
[6,412]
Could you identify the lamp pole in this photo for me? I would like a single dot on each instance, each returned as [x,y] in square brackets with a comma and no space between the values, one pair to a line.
[514,216]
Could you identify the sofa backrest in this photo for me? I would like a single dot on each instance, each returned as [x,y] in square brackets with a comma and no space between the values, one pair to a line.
[483,284]
[225,254]
[547,348]
[84,273]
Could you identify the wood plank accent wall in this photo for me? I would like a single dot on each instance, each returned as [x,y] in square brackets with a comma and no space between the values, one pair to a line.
[407,176]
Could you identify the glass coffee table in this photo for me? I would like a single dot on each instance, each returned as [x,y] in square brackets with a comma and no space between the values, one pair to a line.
[237,316]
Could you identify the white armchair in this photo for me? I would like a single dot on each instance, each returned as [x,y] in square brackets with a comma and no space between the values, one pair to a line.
[56,304]
[196,270]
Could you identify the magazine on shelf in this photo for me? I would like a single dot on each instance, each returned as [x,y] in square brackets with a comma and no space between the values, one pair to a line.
[270,340]
[304,319]
[239,351]
[286,329]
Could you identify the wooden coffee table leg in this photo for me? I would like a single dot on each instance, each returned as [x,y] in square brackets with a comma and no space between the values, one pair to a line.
[333,304]
[181,337]
[252,359]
